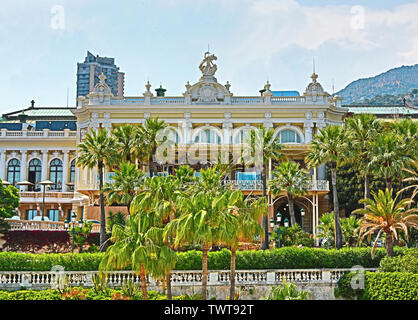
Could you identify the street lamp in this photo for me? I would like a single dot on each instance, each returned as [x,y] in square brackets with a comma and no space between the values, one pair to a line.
[44,183]
[278,231]
[302,213]
[286,222]
[66,225]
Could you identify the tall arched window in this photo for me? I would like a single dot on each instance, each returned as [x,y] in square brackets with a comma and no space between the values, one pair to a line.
[243,135]
[289,136]
[72,174]
[55,174]
[13,171]
[35,173]
[208,136]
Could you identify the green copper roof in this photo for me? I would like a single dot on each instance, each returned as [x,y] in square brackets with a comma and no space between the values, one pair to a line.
[41,113]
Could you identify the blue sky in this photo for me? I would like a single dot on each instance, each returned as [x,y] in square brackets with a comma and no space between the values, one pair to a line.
[164,41]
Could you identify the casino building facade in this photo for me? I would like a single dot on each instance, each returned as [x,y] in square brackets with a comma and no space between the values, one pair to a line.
[40,143]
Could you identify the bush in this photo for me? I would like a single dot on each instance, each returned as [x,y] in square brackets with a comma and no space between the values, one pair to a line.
[380,286]
[294,236]
[283,258]
[77,293]
[404,263]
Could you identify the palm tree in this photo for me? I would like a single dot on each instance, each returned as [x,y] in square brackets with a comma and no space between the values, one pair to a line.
[125,136]
[263,147]
[245,227]
[362,129]
[98,150]
[293,180]
[407,129]
[384,214]
[126,183]
[388,156]
[202,215]
[413,172]
[329,147]
[160,195]
[149,138]
[138,245]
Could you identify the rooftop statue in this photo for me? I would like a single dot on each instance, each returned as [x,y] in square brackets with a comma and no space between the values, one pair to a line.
[207,67]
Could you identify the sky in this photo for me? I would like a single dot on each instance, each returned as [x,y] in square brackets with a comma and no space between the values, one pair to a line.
[163,41]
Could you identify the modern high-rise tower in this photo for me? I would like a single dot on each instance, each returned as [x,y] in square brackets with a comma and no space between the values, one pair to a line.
[89,71]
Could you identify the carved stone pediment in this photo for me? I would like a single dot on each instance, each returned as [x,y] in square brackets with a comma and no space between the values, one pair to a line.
[207,90]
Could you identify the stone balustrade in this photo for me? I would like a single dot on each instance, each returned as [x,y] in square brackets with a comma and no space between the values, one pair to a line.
[15,280]
[235,100]
[32,225]
[37,134]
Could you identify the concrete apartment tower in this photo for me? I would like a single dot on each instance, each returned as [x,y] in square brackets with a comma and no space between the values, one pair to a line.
[89,71]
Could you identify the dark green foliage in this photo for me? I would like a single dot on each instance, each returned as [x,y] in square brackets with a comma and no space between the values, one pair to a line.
[404,263]
[295,236]
[283,258]
[350,187]
[9,200]
[115,218]
[380,286]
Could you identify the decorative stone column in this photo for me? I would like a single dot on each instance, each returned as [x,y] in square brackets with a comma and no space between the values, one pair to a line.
[2,165]
[23,171]
[44,165]
[65,171]
[308,125]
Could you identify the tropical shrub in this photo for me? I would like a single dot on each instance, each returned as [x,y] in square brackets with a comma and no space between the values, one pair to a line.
[294,236]
[288,291]
[380,286]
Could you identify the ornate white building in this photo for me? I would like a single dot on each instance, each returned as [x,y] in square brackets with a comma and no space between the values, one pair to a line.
[38,144]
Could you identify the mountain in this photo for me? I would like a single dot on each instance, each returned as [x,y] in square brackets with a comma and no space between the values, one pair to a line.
[395,81]
[411,98]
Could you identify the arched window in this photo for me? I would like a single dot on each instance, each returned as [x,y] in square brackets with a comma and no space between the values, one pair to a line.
[173,135]
[55,174]
[72,171]
[35,173]
[208,136]
[13,171]
[243,135]
[289,136]
[72,174]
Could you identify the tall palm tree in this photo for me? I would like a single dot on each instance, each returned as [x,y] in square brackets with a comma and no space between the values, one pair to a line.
[288,176]
[245,227]
[126,183]
[261,147]
[362,129]
[149,138]
[98,150]
[160,195]
[203,214]
[125,136]
[329,147]
[388,157]
[384,214]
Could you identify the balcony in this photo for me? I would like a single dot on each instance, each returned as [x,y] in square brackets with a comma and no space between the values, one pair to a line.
[50,197]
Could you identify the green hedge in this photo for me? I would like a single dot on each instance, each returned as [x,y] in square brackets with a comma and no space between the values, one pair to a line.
[380,286]
[283,258]
[404,263]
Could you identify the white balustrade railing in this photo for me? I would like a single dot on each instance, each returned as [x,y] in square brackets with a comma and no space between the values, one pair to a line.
[34,225]
[314,185]
[247,100]
[49,279]
[287,100]
[37,134]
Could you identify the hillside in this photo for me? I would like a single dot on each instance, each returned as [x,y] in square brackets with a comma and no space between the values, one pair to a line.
[392,82]
[411,98]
